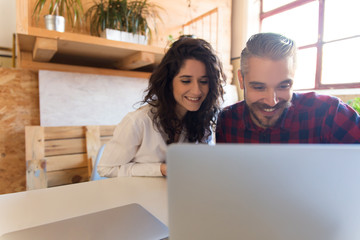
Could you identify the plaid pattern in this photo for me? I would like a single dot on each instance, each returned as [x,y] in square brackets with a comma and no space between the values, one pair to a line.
[312,118]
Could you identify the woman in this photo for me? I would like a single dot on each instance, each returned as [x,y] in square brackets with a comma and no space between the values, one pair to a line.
[181,104]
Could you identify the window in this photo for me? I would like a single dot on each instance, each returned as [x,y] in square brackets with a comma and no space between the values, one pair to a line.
[327,34]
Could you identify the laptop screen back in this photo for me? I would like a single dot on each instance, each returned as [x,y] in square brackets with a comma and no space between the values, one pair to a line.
[125,222]
[257,192]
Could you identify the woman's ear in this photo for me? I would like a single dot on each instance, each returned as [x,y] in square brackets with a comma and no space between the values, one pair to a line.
[241,79]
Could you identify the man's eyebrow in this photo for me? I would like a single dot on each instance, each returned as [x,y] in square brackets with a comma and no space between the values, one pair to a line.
[286,81]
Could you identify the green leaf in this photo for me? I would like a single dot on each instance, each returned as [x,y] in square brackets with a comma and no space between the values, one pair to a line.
[72,8]
[130,16]
[355,104]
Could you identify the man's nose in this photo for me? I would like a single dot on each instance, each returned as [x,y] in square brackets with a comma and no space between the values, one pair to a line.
[271,98]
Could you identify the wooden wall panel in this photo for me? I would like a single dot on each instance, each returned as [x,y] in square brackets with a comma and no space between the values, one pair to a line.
[177,13]
[19,106]
[169,25]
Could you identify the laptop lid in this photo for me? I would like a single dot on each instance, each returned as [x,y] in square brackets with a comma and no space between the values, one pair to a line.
[258,192]
[126,222]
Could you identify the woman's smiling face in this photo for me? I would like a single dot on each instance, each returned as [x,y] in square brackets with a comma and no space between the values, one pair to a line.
[190,87]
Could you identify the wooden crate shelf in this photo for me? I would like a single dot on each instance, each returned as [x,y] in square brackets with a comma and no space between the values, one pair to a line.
[51,50]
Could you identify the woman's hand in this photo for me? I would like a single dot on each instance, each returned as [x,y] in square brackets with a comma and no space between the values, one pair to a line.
[163,169]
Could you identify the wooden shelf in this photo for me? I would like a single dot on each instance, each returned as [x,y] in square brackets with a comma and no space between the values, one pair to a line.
[51,50]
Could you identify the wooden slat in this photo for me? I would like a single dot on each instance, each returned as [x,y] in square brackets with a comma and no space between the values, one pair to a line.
[22,16]
[198,18]
[104,140]
[137,60]
[93,145]
[64,132]
[36,174]
[65,146]
[44,49]
[90,46]
[26,62]
[76,175]
[62,162]
[68,151]
[34,143]
[107,130]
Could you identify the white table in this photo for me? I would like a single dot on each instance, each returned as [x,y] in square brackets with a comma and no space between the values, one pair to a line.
[31,208]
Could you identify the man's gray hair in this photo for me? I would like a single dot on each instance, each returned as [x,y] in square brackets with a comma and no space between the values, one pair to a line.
[267,45]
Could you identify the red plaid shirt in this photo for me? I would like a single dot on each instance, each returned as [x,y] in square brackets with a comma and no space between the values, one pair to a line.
[311,118]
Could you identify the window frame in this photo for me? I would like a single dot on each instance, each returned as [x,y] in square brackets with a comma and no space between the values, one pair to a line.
[318,45]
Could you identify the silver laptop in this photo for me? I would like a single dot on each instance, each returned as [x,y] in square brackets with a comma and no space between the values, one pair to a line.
[130,222]
[264,192]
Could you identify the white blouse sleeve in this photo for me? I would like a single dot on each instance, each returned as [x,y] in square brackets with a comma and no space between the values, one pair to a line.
[119,152]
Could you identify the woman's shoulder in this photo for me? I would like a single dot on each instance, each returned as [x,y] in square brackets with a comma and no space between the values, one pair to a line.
[137,120]
[143,113]
[142,110]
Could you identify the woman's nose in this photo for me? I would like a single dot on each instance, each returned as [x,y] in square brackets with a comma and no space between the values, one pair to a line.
[195,88]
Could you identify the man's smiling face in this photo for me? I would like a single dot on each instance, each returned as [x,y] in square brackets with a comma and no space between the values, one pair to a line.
[267,88]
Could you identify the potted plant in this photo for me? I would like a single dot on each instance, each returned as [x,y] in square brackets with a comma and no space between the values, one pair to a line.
[122,20]
[55,20]
[355,104]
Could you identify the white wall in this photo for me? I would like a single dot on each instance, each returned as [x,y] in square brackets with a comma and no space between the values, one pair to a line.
[7,24]
[73,99]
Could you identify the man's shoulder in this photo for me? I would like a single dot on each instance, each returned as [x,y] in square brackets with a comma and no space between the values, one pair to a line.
[313,100]
[236,109]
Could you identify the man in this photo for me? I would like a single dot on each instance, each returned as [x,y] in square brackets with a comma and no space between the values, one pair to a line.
[271,112]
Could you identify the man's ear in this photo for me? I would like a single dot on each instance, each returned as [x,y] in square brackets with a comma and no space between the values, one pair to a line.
[241,79]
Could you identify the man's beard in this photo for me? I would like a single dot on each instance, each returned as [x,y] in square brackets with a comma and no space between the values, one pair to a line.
[268,119]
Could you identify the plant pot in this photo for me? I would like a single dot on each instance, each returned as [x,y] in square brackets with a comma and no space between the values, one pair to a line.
[141,39]
[56,23]
[117,35]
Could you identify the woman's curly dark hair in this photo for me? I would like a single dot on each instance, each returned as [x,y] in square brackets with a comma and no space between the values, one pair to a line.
[159,93]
